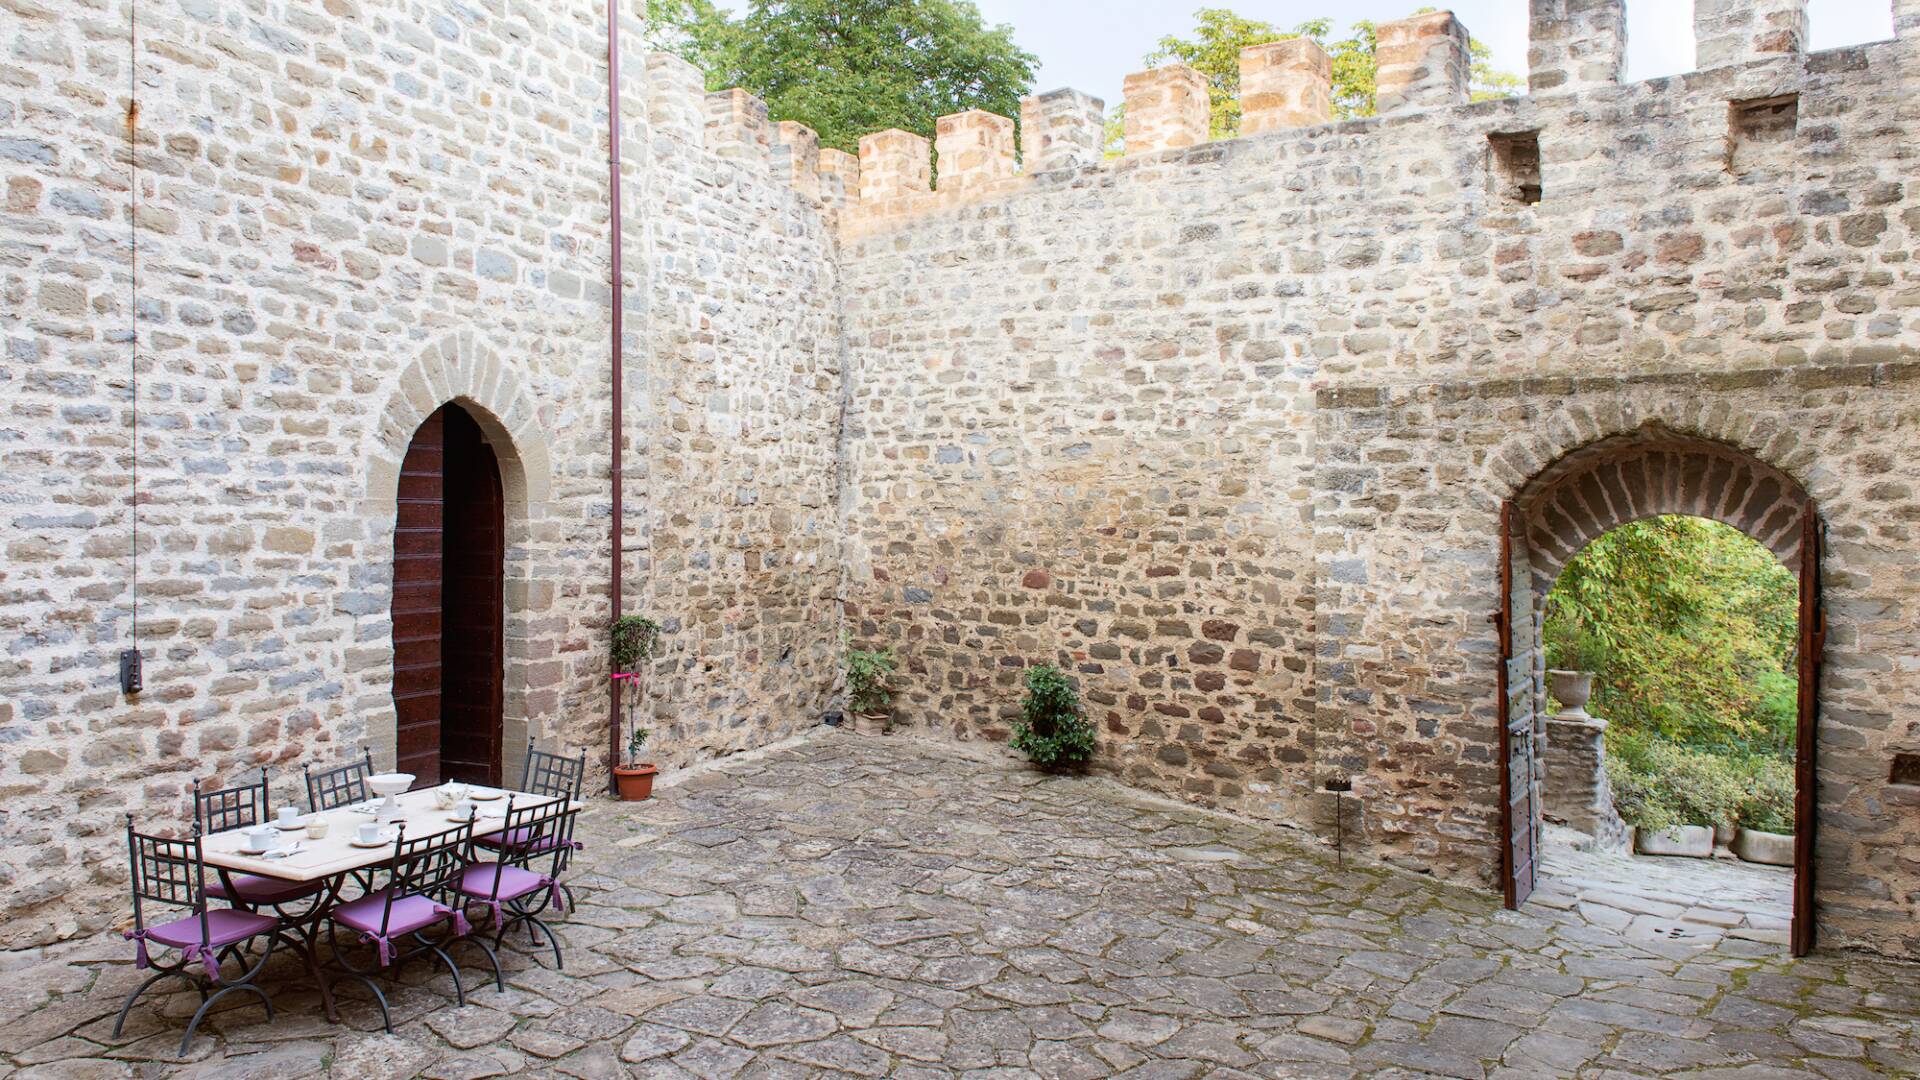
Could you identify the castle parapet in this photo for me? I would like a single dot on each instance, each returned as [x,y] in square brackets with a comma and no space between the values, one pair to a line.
[894,164]
[1575,44]
[1737,31]
[1906,18]
[975,148]
[676,98]
[796,157]
[1284,84]
[737,126]
[1421,63]
[839,179]
[1061,129]
[1166,109]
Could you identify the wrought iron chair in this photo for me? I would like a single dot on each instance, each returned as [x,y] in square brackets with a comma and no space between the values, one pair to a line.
[340,786]
[544,774]
[240,807]
[524,881]
[174,872]
[404,909]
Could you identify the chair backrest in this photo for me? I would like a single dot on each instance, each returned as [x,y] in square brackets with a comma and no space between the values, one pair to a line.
[424,866]
[542,836]
[166,871]
[340,786]
[232,808]
[552,774]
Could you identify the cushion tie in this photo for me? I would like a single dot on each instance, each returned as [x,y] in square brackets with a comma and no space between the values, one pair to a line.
[188,953]
[555,897]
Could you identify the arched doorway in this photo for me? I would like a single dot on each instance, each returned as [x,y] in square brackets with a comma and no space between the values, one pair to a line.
[1643,474]
[448,603]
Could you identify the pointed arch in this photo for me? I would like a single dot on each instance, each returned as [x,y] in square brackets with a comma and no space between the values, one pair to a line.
[457,369]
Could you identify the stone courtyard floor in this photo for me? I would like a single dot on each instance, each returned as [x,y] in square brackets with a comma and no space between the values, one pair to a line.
[1666,899]
[885,907]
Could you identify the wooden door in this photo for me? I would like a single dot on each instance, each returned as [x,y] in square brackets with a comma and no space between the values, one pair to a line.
[448,597]
[1812,657]
[474,636]
[416,601]
[1519,784]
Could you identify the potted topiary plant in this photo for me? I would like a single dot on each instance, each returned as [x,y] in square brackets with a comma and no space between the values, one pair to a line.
[633,640]
[1051,731]
[867,691]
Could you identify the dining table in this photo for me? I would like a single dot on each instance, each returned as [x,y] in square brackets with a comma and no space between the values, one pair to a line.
[337,858]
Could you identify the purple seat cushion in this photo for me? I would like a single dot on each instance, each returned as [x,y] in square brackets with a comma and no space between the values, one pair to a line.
[224,927]
[257,890]
[410,913]
[477,881]
[517,839]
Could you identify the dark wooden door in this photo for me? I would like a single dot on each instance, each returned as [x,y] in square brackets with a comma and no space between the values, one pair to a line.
[1519,786]
[416,601]
[474,633]
[1812,656]
[448,622]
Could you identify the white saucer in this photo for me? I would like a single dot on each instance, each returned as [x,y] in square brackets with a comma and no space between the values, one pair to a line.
[289,826]
[359,843]
[258,852]
[485,794]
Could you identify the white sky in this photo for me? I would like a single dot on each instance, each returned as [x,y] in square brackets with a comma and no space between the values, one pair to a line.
[1091,45]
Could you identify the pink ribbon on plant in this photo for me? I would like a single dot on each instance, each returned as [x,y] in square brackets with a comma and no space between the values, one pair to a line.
[623,675]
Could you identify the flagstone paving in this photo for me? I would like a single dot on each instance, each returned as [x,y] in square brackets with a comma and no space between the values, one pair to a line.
[884,907]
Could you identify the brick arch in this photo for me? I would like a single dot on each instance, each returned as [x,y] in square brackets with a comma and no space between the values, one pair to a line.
[1646,473]
[460,370]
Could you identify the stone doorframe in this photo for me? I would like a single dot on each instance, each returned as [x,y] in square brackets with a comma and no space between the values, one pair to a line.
[1579,485]
[460,370]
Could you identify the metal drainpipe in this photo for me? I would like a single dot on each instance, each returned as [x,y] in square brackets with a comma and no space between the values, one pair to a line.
[613,206]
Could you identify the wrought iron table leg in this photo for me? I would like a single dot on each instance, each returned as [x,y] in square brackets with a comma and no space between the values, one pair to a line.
[310,945]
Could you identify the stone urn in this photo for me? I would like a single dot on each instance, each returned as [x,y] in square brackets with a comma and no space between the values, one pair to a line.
[1571,689]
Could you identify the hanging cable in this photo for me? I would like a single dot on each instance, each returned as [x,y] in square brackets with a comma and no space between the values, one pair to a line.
[130,658]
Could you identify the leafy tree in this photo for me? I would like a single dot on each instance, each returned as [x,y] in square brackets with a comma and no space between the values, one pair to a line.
[850,67]
[1213,49]
[1697,625]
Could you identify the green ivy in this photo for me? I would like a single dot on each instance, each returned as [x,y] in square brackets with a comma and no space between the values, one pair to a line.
[1051,731]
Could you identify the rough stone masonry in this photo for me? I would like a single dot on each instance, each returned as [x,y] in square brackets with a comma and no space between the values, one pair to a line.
[1222,427]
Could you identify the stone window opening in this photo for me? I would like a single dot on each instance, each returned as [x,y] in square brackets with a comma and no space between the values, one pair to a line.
[1515,171]
[1760,131]
[1649,473]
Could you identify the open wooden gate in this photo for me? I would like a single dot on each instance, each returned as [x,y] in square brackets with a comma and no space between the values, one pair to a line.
[1519,781]
[1812,654]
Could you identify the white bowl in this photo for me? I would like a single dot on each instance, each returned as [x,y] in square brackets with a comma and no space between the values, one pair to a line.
[389,783]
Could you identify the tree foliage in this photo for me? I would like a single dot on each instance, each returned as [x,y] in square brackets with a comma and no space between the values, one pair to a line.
[1697,625]
[1213,49]
[846,68]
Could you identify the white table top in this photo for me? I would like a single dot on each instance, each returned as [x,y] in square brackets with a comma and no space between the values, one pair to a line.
[335,853]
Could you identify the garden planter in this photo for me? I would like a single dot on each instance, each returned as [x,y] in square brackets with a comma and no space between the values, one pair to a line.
[1693,841]
[1773,849]
[635,781]
[1571,689]
[871,723]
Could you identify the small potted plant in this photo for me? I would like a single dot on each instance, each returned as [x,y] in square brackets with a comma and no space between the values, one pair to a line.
[1051,731]
[1574,657]
[867,691]
[634,639]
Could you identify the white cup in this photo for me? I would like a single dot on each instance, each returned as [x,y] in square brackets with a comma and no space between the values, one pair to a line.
[463,810]
[260,837]
[369,833]
[288,815]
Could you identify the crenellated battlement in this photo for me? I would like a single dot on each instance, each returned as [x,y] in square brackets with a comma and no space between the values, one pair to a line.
[1423,63]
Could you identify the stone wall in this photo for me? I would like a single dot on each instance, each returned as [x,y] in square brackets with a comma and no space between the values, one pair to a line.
[347,216]
[1151,419]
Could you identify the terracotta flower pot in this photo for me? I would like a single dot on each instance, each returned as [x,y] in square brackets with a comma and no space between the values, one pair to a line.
[871,723]
[635,781]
